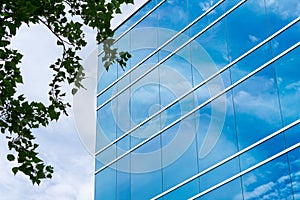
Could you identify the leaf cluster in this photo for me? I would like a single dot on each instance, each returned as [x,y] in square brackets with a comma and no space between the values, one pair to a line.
[18,117]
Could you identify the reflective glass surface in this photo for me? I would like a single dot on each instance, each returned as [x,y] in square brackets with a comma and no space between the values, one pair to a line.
[270,181]
[260,116]
[203,107]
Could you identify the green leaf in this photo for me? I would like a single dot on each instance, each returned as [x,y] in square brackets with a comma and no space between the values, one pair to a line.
[15,170]
[18,115]
[74,91]
[10,157]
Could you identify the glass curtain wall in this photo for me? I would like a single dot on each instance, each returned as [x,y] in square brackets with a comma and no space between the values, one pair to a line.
[208,106]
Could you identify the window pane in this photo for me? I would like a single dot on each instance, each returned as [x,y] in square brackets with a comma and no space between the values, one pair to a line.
[231,190]
[262,151]
[241,24]
[295,171]
[216,134]
[288,79]
[270,181]
[257,107]
[179,140]
[105,184]
[219,174]
[146,175]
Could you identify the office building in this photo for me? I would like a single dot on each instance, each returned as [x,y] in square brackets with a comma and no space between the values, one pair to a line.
[208,106]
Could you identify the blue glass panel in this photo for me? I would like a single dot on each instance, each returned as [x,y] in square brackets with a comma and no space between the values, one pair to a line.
[151,146]
[176,79]
[251,62]
[139,55]
[280,14]
[168,95]
[262,151]
[208,55]
[213,41]
[105,77]
[216,133]
[165,35]
[231,190]
[292,135]
[121,110]
[270,181]
[124,144]
[209,19]
[106,126]
[184,192]
[170,9]
[104,97]
[146,185]
[229,4]
[123,186]
[98,164]
[219,174]
[146,176]
[257,107]
[146,130]
[106,157]
[123,178]
[150,20]
[196,8]
[286,39]
[295,171]
[241,24]
[137,16]
[104,80]
[177,110]
[105,184]
[288,80]
[124,45]
[143,42]
[145,97]
[178,149]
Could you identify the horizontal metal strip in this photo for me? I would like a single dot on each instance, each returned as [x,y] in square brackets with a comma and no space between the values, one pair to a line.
[246,171]
[158,49]
[202,105]
[201,84]
[136,23]
[228,159]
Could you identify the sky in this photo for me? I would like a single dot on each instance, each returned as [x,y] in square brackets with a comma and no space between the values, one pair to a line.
[67,145]
[60,144]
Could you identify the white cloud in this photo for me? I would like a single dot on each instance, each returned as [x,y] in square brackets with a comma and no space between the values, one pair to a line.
[59,143]
[293,86]
[73,168]
[259,191]
[275,44]
[284,10]
[263,109]
[283,179]
[268,184]
[250,179]
[253,38]
[205,5]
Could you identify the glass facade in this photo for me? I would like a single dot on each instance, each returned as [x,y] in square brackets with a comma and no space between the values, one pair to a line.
[208,106]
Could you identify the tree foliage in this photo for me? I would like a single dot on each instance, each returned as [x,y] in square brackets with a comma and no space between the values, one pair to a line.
[18,116]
